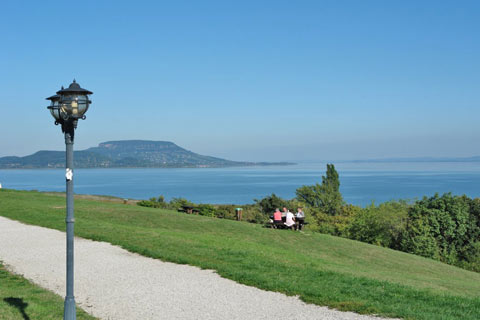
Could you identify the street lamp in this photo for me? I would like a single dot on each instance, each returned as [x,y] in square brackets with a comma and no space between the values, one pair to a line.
[67,106]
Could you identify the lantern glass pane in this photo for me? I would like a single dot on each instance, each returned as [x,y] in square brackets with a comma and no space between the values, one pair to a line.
[65,109]
[54,110]
[66,106]
[73,106]
[55,113]
[82,105]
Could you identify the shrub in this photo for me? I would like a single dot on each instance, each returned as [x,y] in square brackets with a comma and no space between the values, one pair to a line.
[177,203]
[226,211]
[154,202]
[206,210]
[146,203]
[268,204]
[335,225]
[382,225]
[254,214]
[438,228]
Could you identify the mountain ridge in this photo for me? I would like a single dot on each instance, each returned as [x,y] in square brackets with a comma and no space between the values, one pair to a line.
[126,154]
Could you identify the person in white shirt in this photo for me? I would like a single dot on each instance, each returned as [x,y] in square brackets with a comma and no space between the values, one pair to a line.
[290,220]
[300,218]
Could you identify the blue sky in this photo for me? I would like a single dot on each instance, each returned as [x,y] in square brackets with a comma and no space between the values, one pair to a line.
[248,80]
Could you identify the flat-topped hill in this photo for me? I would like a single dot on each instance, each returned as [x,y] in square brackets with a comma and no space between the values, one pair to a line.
[126,154]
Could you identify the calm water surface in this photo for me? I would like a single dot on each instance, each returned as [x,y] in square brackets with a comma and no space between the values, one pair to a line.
[361,183]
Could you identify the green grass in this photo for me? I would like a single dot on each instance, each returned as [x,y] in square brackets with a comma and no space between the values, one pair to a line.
[321,269]
[20,299]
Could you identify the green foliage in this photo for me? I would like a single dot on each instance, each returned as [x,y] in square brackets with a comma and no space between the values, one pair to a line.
[254,214]
[270,203]
[469,254]
[251,212]
[174,204]
[438,228]
[382,225]
[226,211]
[325,204]
[177,203]
[311,196]
[206,210]
[472,259]
[325,197]
[336,225]
[146,203]
[261,211]
[154,203]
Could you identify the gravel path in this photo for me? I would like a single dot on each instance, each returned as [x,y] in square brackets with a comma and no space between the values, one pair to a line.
[112,283]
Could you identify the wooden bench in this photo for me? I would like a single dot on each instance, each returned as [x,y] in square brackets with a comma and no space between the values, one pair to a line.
[280,224]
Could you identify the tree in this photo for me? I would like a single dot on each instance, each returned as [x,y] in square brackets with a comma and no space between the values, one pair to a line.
[381,225]
[469,253]
[438,228]
[337,225]
[327,196]
[270,203]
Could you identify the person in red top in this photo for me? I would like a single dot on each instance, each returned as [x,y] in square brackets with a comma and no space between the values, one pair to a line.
[277,215]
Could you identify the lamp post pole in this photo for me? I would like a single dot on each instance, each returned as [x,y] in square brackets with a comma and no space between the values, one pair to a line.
[67,106]
[69,308]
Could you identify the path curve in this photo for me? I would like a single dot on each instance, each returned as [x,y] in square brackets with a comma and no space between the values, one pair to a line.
[112,283]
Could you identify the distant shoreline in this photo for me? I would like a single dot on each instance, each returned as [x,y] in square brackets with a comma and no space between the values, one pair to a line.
[424,159]
[260,164]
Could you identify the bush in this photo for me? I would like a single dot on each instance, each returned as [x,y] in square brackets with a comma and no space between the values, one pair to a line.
[382,225]
[178,203]
[146,203]
[335,225]
[268,204]
[439,228]
[154,202]
[206,210]
[254,214]
[226,211]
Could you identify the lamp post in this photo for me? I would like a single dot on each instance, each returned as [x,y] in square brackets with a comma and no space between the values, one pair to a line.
[67,106]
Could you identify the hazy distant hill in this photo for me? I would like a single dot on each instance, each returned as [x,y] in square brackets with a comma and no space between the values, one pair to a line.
[127,153]
[423,159]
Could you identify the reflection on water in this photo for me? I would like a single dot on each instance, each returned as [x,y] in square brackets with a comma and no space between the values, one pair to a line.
[361,183]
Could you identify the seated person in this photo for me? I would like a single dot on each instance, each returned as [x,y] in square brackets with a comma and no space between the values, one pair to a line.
[277,215]
[277,219]
[290,220]
[300,217]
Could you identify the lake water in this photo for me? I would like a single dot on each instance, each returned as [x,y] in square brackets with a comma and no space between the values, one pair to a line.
[361,183]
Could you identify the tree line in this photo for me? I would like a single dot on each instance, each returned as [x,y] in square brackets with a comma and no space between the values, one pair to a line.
[442,227]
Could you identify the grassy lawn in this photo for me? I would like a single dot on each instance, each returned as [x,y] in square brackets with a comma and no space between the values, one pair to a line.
[321,269]
[22,300]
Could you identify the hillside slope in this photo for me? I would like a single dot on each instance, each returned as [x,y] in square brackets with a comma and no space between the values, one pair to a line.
[321,269]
